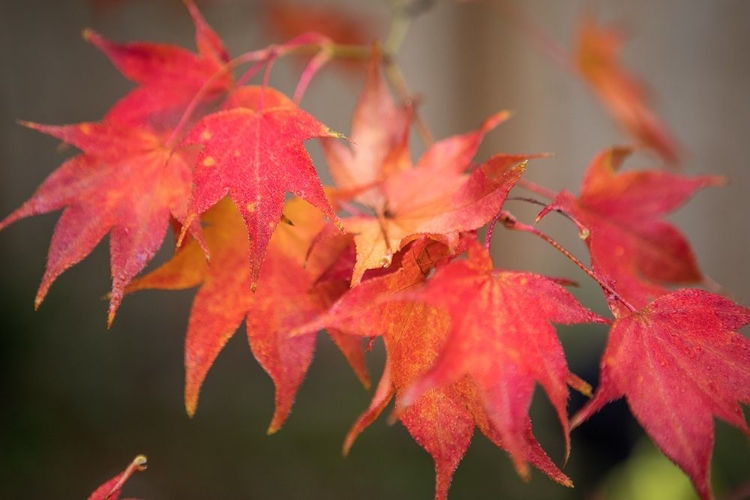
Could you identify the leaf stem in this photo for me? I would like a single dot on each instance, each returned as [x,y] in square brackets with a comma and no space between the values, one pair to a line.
[138,464]
[509,221]
[305,44]
[582,231]
[397,33]
[254,56]
[404,13]
[387,259]
[537,189]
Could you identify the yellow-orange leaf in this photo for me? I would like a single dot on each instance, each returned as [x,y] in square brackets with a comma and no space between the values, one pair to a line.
[287,297]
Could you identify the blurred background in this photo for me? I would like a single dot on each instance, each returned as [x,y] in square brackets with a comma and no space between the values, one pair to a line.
[79,401]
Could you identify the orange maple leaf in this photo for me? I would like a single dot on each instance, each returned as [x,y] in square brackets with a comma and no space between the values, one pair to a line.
[440,196]
[377,131]
[622,93]
[453,202]
[288,298]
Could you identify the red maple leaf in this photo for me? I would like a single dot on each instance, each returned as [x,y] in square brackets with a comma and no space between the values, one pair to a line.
[631,244]
[502,338]
[112,488]
[253,151]
[130,180]
[679,362]
[440,418]
[149,63]
[597,59]
[288,299]
[126,184]
[169,77]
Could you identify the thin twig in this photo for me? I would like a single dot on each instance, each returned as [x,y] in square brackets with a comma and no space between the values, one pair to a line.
[537,189]
[305,44]
[139,463]
[510,222]
[404,13]
[581,229]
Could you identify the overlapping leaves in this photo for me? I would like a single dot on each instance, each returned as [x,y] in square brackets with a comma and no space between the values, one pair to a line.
[464,359]
[622,218]
[289,297]
[137,170]
[442,195]
[466,343]
[127,182]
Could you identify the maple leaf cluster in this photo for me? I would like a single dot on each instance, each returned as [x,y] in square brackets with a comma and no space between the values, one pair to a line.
[392,251]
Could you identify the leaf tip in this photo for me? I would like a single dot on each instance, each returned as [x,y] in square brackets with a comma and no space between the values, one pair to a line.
[191,402]
[522,468]
[718,180]
[405,402]
[88,34]
[576,420]
[580,385]
[503,115]
[386,260]
[40,295]
[28,124]
[141,462]
[347,447]
[394,416]
[335,135]
[184,230]
[286,220]
[543,213]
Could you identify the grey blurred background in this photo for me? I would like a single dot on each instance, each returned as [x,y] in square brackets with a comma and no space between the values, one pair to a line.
[79,402]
